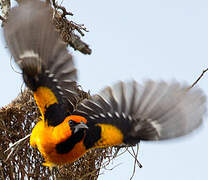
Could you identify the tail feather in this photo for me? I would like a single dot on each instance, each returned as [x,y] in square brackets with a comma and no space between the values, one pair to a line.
[154,111]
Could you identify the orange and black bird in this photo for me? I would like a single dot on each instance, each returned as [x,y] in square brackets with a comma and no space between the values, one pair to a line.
[120,115]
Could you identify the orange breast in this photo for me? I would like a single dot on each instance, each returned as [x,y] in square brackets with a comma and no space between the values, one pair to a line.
[45,139]
[58,159]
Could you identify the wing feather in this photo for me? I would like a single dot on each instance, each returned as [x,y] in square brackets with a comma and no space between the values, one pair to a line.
[152,111]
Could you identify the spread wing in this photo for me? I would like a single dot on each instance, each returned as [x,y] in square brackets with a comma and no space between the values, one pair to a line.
[152,111]
[48,68]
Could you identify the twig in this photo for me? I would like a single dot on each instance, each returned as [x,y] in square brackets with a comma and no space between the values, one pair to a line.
[202,74]
[14,146]
[115,155]
[9,154]
[16,143]
[79,45]
[139,164]
[135,161]
[79,27]
[105,164]
[110,169]
[67,29]
[64,11]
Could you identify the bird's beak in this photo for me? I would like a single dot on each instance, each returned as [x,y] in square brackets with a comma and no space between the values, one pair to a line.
[80,126]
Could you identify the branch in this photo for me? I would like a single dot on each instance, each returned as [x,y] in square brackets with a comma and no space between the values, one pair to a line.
[67,29]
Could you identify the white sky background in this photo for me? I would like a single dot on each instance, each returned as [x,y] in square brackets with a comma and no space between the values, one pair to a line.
[157,39]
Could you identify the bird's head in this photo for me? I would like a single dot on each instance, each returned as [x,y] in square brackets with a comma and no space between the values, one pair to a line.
[76,123]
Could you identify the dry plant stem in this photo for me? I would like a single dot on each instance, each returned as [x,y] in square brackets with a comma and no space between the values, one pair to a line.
[135,161]
[202,74]
[117,151]
[5,6]
[139,164]
[112,167]
[79,45]
[15,146]
[136,155]
[13,66]
[65,12]
[17,142]
[67,29]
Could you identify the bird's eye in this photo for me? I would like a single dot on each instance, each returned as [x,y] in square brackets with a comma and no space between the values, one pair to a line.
[71,122]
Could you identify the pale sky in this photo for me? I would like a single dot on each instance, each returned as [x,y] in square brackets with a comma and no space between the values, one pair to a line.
[156,39]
